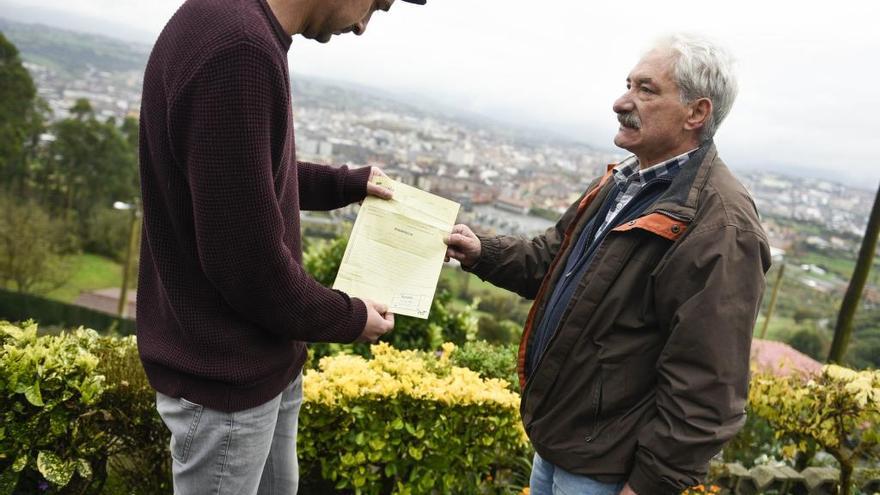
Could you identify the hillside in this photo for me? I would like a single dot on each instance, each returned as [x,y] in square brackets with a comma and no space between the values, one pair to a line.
[74,52]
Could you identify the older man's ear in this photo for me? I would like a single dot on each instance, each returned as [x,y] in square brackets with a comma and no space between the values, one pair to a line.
[699,113]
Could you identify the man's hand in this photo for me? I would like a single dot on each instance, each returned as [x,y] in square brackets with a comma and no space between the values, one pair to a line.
[373,189]
[627,490]
[463,245]
[379,322]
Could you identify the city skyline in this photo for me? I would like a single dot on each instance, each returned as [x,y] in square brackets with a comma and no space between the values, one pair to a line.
[803,105]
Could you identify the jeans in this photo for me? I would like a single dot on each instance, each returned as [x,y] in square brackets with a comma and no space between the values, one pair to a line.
[245,452]
[548,479]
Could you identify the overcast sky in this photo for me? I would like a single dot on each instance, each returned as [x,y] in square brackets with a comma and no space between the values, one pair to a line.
[809,95]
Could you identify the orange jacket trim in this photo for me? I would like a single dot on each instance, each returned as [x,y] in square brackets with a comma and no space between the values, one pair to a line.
[656,223]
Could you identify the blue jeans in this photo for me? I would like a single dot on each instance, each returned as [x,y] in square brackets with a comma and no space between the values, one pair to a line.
[548,479]
[245,452]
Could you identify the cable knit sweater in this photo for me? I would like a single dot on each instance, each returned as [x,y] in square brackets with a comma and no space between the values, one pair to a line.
[224,304]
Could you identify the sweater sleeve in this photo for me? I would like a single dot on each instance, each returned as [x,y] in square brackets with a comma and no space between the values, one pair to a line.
[326,188]
[225,123]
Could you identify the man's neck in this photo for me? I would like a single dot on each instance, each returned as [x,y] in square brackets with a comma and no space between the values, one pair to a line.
[291,14]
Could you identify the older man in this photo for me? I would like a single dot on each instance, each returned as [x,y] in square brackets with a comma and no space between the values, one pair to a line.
[224,305]
[634,359]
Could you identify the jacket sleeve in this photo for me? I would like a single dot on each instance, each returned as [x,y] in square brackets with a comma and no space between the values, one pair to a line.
[519,264]
[707,295]
[326,188]
[226,150]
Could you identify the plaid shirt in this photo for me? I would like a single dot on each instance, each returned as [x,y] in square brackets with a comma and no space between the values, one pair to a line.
[630,180]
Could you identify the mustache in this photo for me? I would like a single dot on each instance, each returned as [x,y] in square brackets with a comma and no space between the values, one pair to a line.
[629,119]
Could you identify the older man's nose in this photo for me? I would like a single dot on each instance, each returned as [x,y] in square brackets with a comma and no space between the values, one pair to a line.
[623,104]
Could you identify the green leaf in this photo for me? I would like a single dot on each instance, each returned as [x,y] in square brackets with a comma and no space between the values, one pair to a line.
[415,453]
[20,463]
[32,394]
[54,469]
[8,480]
[83,468]
[58,422]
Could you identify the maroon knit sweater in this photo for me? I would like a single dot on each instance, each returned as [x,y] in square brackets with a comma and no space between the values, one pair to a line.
[223,301]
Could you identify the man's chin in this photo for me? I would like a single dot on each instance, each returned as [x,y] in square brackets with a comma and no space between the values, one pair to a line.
[625,139]
[320,38]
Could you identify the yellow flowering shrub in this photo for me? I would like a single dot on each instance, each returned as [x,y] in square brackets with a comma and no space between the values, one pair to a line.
[407,422]
[839,410]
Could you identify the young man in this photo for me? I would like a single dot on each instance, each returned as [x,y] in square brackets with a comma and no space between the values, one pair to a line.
[224,306]
[635,357]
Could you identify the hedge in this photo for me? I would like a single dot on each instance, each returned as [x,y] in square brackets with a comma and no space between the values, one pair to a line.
[76,406]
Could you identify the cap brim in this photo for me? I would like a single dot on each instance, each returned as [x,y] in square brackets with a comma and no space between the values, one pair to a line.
[420,2]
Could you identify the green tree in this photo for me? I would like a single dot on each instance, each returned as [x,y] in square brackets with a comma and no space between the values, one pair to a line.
[32,247]
[91,163]
[809,342]
[131,130]
[21,117]
[853,296]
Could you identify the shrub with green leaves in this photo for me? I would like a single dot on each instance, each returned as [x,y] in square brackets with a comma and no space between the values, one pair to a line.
[76,406]
[408,422]
[50,398]
[490,361]
[77,411]
[838,410]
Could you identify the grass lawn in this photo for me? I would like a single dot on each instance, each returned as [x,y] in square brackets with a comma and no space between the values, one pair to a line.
[90,271]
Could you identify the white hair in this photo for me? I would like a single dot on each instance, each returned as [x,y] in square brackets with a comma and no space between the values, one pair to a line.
[703,69]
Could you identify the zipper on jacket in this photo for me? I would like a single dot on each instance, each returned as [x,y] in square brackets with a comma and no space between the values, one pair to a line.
[596,408]
[677,216]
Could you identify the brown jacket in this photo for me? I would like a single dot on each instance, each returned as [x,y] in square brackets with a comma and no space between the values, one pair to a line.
[647,375]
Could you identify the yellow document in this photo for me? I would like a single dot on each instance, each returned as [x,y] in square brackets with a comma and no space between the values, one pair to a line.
[396,249]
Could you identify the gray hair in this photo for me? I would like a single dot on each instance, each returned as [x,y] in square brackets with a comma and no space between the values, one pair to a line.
[703,69]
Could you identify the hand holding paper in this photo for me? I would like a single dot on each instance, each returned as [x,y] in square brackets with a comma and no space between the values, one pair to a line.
[396,249]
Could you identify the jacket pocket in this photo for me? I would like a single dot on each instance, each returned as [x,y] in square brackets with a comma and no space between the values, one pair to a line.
[626,384]
[182,419]
[595,408]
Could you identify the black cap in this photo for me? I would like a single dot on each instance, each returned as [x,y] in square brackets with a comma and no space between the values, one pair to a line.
[420,2]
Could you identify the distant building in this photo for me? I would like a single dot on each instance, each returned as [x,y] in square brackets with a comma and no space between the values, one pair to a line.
[461,157]
[513,205]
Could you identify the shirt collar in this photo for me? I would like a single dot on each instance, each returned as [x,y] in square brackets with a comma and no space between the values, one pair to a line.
[628,170]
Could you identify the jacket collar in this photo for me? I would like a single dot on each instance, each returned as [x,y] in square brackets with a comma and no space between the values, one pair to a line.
[680,199]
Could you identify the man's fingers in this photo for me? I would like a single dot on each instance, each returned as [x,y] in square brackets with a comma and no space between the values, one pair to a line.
[459,228]
[455,239]
[379,191]
[377,172]
[389,317]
